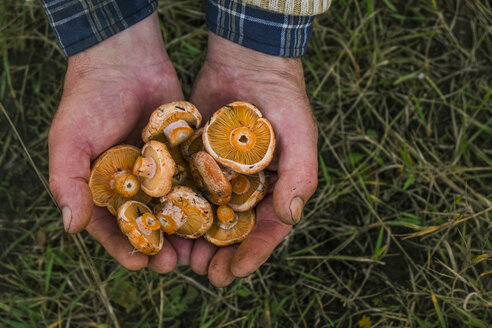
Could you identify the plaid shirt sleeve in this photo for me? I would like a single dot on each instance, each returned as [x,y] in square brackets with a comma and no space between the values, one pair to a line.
[80,24]
[258,29]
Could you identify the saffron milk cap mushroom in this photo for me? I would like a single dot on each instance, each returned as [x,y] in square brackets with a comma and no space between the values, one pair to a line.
[210,179]
[141,227]
[155,169]
[174,121]
[111,180]
[239,137]
[192,212]
[193,145]
[230,227]
[247,191]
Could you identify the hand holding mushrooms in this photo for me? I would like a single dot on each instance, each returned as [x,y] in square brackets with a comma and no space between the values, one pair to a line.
[276,85]
[109,93]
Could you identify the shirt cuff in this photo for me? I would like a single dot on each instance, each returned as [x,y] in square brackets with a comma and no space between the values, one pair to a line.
[265,31]
[79,25]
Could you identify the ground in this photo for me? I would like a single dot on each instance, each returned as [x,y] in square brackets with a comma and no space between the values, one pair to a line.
[397,234]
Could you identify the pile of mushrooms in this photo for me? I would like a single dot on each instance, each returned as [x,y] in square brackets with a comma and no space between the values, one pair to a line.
[200,181]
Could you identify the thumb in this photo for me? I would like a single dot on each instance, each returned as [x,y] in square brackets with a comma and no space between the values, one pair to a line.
[297,168]
[69,165]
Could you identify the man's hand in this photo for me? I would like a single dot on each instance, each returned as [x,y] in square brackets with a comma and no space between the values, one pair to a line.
[109,92]
[276,85]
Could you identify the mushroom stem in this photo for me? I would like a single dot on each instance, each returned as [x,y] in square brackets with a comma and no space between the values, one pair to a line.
[240,184]
[150,221]
[144,167]
[142,225]
[125,183]
[227,217]
[178,132]
[243,138]
[167,223]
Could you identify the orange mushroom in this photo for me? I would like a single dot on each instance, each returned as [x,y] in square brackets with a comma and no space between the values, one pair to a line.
[111,180]
[193,145]
[191,212]
[247,191]
[155,169]
[230,227]
[167,223]
[210,179]
[239,137]
[172,122]
[141,227]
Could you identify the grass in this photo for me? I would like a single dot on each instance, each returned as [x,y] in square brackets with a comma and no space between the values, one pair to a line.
[398,232]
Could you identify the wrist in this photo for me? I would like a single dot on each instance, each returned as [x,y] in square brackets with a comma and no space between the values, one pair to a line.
[238,62]
[136,48]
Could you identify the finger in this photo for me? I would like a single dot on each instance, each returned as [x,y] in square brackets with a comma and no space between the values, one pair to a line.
[201,254]
[69,165]
[297,166]
[219,271]
[164,261]
[182,247]
[268,232]
[104,229]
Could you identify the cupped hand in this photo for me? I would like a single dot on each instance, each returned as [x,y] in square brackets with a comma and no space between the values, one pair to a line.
[276,86]
[109,92]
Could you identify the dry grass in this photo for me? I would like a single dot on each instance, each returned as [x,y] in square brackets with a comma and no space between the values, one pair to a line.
[398,231]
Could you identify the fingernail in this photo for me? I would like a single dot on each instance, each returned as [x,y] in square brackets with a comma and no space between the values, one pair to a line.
[296,209]
[67,217]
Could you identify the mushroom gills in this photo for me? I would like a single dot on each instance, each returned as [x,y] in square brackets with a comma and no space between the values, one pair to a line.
[247,191]
[111,180]
[232,234]
[239,137]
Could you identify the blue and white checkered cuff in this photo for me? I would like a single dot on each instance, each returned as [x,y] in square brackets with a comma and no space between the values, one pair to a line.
[265,31]
[81,24]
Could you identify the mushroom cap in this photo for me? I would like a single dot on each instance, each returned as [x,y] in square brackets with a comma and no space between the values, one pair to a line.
[116,159]
[239,137]
[161,182]
[210,179]
[193,145]
[167,114]
[224,237]
[143,239]
[195,207]
[245,200]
